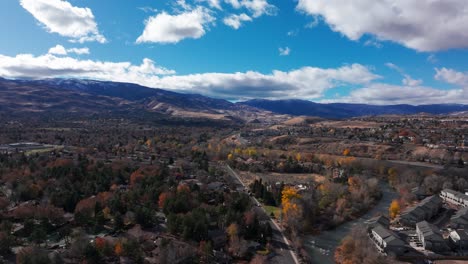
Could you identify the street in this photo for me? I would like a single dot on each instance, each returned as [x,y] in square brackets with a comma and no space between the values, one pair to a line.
[283,249]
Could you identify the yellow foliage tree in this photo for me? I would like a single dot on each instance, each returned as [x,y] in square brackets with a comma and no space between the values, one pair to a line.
[230,156]
[394,209]
[346,152]
[392,176]
[289,198]
[298,157]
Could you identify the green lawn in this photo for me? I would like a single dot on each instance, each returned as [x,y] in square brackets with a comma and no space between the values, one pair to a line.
[273,209]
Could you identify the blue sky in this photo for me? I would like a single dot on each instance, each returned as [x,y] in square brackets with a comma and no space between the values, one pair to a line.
[363,51]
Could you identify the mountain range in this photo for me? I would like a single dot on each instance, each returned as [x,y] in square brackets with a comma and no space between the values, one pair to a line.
[89,96]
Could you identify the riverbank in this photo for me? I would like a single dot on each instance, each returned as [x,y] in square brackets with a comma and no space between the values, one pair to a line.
[321,247]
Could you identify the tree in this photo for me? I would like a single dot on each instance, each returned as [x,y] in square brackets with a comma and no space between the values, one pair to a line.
[356,248]
[234,241]
[292,210]
[32,255]
[393,176]
[394,209]
[118,249]
[346,152]
[298,157]
[162,199]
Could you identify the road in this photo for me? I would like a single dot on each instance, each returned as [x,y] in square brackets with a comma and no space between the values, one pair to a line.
[283,249]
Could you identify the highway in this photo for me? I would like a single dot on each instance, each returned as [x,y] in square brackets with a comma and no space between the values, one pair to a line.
[283,249]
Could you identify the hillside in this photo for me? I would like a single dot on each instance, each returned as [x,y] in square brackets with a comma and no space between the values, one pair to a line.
[344,110]
[88,96]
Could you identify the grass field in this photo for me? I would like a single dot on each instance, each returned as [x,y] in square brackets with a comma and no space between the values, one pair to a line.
[273,209]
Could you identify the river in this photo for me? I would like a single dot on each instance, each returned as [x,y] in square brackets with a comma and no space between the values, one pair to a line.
[322,247]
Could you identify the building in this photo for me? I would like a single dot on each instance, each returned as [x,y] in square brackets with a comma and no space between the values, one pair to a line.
[458,239]
[387,241]
[218,237]
[425,210]
[454,197]
[430,236]
[460,219]
[378,220]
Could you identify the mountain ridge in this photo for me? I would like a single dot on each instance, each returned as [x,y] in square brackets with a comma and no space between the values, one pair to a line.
[75,95]
[298,107]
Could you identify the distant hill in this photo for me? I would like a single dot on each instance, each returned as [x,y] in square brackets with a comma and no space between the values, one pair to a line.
[343,110]
[89,96]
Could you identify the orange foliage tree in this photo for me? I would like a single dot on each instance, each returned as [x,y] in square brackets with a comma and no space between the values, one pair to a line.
[346,152]
[162,198]
[118,249]
[394,209]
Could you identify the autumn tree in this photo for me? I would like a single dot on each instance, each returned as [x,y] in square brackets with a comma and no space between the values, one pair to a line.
[118,248]
[346,152]
[234,241]
[162,198]
[394,209]
[356,248]
[291,209]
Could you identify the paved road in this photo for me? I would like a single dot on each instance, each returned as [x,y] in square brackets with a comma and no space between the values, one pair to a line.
[283,249]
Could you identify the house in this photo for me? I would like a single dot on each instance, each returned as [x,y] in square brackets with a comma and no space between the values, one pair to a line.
[454,197]
[378,220]
[425,210]
[460,219]
[218,237]
[458,239]
[387,241]
[430,236]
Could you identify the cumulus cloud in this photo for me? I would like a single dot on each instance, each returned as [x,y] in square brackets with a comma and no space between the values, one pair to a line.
[235,21]
[425,25]
[386,94]
[256,7]
[306,82]
[60,50]
[61,17]
[284,51]
[166,28]
[50,66]
[452,76]
[412,93]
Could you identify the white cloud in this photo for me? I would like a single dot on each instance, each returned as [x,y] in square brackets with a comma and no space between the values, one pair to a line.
[284,51]
[60,50]
[256,7]
[79,51]
[50,66]
[452,76]
[407,79]
[373,43]
[423,25]
[166,28]
[235,21]
[293,33]
[61,17]
[306,82]
[216,4]
[432,59]
[386,94]
[412,92]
